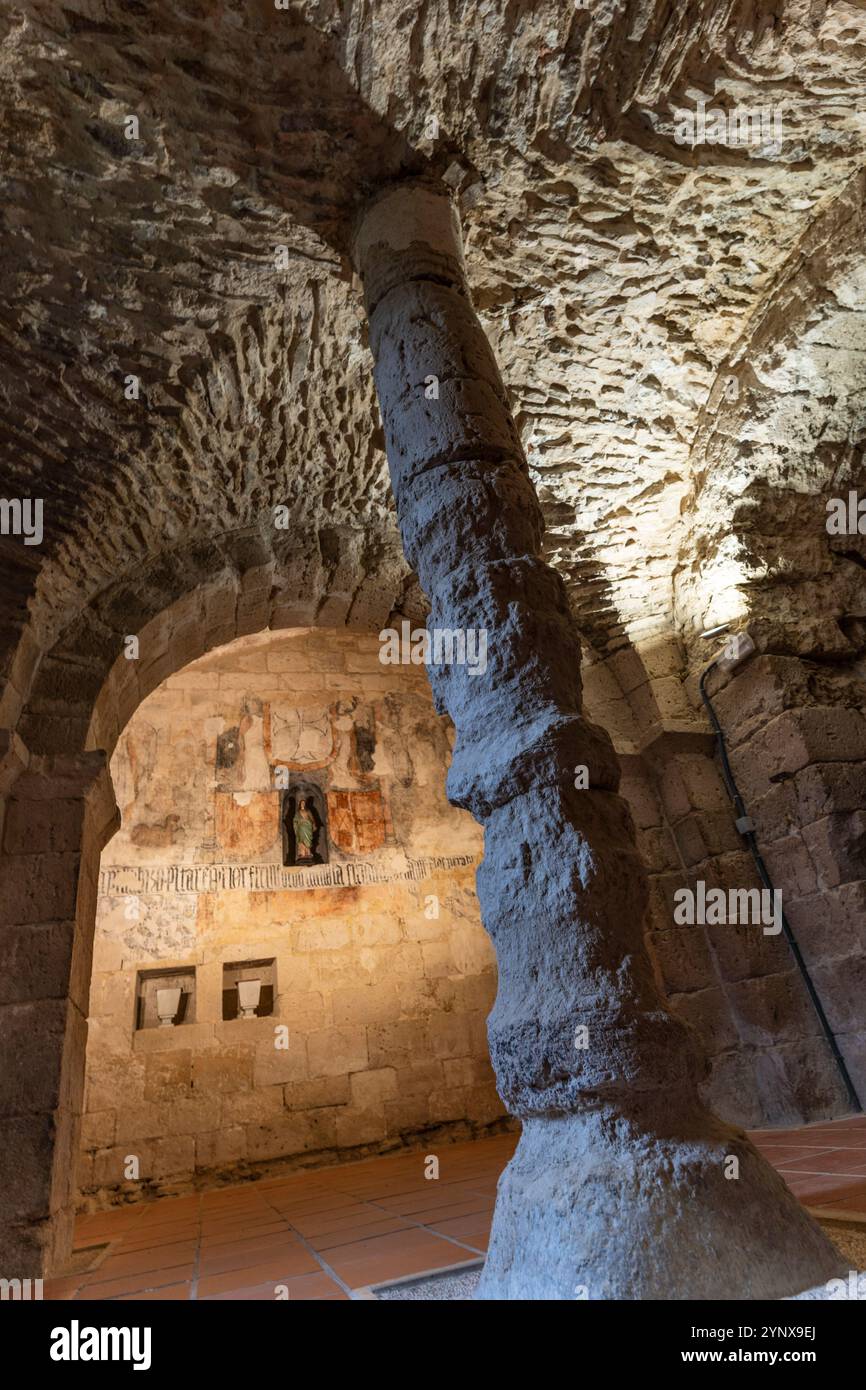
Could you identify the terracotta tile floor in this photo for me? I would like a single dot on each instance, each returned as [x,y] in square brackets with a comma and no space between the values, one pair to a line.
[324,1234]
[823,1164]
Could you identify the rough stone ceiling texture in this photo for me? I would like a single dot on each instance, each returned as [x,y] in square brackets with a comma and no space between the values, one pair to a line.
[157,258]
[764,463]
[615,269]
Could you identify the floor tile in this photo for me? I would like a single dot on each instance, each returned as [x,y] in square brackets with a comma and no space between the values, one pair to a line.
[303,1288]
[130,1283]
[62,1288]
[390,1256]
[464,1228]
[171,1292]
[140,1261]
[828,1161]
[246,1253]
[277,1270]
[219,1239]
[354,1234]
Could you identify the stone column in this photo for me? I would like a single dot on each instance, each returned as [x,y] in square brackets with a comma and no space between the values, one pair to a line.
[618,1188]
[59,812]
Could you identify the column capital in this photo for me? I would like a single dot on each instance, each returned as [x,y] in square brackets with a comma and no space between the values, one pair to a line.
[413,210]
[408,231]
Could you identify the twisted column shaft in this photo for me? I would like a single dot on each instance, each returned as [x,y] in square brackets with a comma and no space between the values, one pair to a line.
[617,1154]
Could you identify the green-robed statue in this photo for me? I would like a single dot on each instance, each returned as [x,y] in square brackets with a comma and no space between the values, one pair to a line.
[304,826]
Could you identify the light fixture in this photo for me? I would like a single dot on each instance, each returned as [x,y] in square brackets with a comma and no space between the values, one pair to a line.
[738,646]
[736,649]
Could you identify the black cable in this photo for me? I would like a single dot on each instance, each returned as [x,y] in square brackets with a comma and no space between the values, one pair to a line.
[751,840]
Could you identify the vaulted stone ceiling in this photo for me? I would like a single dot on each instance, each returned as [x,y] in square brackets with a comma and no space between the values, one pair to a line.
[616,270]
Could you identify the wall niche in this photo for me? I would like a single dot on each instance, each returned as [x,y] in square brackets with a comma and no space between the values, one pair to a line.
[304,823]
[156,1006]
[238,973]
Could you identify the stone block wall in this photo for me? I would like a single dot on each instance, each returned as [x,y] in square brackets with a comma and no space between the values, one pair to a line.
[737,986]
[57,817]
[384,974]
[797,739]
[799,762]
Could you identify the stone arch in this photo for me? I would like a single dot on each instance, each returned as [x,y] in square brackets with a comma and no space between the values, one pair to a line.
[797,377]
[60,809]
[79,694]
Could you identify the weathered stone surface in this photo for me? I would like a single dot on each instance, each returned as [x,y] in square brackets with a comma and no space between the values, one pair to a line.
[561,890]
[615,268]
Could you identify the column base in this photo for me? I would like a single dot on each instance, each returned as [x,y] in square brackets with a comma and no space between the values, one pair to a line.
[597,1206]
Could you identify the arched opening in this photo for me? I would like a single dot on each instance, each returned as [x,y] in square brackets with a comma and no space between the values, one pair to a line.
[66,710]
[375,972]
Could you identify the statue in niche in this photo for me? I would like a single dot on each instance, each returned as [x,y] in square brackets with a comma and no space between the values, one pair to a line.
[305,830]
[304,826]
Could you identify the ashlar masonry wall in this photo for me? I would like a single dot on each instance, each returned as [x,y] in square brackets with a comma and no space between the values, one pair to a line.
[381,973]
